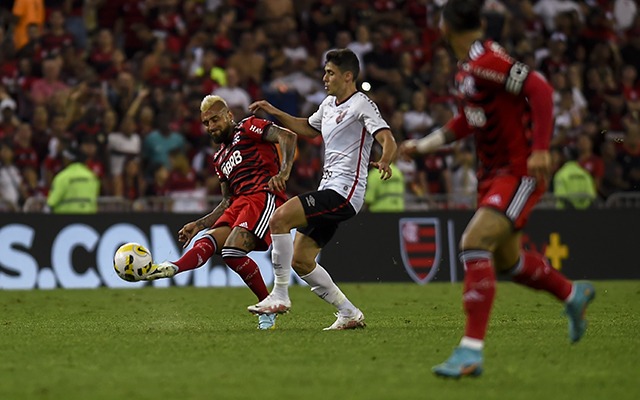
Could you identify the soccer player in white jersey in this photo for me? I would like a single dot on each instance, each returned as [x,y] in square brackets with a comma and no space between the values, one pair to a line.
[348,122]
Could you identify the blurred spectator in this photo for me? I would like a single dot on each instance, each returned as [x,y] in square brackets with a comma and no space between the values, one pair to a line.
[385,195]
[75,189]
[464,183]
[56,36]
[307,169]
[361,46]
[612,179]
[43,89]
[75,21]
[630,50]
[12,189]
[40,129]
[182,176]
[629,157]
[159,143]
[237,98]
[434,176]
[590,161]
[160,183]
[24,153]
[549,9]
[557,60]
[573,185]
[122,145]
[8,120]
[133,184]
[293,49]
[417,120]
[381,65]
[88,150]
[249,63]
[26,12]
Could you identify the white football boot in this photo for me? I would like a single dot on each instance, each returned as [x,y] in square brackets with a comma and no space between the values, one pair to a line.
[163,270]
[352,321]
[271,305]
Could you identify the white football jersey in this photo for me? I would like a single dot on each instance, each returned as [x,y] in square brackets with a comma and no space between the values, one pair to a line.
[347,130]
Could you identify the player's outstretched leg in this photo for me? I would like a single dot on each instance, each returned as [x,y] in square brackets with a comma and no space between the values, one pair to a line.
[463,362]
[582,294]
[348,315]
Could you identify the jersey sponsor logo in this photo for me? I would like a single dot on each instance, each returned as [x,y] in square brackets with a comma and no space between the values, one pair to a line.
[340,116]
[420,247]
[255,129]
[234,159]
[475,116]
[488,74]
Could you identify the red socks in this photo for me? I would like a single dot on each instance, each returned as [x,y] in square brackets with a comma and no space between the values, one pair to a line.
[202,250]
[248,270]
[534,271]
[479,291]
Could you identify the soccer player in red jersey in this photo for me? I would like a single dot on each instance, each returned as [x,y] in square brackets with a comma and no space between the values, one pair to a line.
[253,182]
[494,92]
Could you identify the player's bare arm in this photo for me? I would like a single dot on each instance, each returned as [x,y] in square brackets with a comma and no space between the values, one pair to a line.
[190,229]
[539,165]
[287,141]
[389,148]
[540,96]
[299,125]
[429,143]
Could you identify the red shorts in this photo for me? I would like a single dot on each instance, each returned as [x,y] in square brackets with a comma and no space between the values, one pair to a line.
[513,196]
[252,212]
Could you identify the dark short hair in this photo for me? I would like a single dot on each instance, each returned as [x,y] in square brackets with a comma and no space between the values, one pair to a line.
[463,15]
[345,60]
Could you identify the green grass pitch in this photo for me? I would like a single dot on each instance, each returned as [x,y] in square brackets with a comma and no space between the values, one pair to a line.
[189,343]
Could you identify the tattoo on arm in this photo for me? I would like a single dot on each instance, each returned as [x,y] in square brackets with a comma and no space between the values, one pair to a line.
[287,141]
[209,219]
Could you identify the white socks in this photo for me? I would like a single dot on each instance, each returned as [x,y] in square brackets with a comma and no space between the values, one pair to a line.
[471,343]
[322,285]
[281,256]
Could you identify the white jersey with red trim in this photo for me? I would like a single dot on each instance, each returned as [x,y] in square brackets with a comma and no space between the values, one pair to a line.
[347,129]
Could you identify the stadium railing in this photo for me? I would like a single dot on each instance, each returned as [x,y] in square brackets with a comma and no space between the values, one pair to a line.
[623,200]
[412,203]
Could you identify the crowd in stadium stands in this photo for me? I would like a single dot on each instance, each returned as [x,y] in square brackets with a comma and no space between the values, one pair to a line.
[121,81]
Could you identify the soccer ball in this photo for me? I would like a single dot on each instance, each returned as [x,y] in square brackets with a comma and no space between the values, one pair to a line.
[132,262]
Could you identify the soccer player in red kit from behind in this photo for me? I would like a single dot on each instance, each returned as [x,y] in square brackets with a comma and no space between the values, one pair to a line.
[253,185]
[495,91]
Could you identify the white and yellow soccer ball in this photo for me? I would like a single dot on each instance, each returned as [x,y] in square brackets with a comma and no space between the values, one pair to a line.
[132,262]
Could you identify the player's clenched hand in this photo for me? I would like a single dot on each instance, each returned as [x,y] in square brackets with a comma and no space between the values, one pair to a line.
[262,105]
[278,183]
[408,148]
[187,232]
[539,165]
[383,167]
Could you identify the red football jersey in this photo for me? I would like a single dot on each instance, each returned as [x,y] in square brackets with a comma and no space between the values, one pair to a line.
[489,85]
[248,162]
